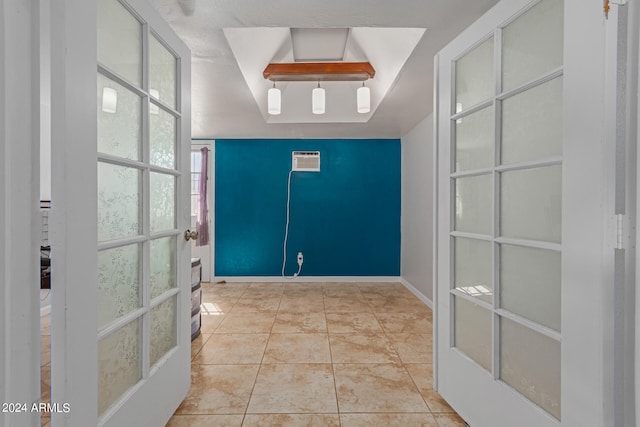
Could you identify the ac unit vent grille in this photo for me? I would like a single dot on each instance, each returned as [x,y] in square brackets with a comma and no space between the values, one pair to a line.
[305,161]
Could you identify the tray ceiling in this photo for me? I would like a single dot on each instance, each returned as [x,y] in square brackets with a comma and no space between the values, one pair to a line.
[226,104]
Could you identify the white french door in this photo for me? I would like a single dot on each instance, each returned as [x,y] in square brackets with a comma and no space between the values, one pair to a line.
[121,138]
[522,265]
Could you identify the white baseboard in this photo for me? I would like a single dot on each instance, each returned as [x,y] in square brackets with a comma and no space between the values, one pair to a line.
[328,279]
[417,293]
[310,279]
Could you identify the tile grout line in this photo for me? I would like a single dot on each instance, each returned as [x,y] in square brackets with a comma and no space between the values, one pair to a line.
[419,392]
[255,381]
[388,334]
[333,366]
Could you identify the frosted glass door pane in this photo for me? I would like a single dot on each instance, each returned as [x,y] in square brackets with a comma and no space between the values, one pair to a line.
[118,283]
[120,40]
[119,114]
[532,123]
[530,363]
[163,329]
[162,135]
[531,205]
[473,331]
[162,73]
[475,140]
[163,200]
[118,201]
[532,45]
[119,364]
[474,203]
[163,265]
[530,284]
[472,268]
[474,76]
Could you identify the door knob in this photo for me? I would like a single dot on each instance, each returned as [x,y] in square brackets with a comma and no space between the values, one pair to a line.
[193,235]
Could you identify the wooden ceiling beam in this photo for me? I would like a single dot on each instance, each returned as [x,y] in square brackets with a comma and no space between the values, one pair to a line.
[319,71]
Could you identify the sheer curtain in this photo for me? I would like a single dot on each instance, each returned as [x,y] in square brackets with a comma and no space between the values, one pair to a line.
[202,221]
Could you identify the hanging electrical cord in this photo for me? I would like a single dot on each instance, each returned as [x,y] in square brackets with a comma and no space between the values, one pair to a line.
[286,233]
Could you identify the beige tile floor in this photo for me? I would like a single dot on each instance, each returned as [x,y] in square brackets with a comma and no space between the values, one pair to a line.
[313,354]
[307,354]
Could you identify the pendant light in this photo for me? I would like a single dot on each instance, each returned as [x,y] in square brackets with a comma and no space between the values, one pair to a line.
[317,72]
[317,100]
[274,100]
[364,99]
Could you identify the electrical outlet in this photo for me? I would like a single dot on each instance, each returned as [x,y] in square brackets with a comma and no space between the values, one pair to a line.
[300,259]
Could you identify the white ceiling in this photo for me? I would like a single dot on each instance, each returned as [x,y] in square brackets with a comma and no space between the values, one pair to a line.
[319,44]
[224,106]
[386,48]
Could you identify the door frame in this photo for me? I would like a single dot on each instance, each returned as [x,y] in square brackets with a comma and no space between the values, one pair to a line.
[621,121]
[585,255]
[19,209]
[196,144]
[632,405]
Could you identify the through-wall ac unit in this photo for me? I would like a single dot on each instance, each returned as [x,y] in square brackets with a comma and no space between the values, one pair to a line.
[305,161]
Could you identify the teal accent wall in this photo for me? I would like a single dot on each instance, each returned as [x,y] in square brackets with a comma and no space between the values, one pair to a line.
[345,218]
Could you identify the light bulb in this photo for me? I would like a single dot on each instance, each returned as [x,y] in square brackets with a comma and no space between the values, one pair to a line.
[273,101]
[364,100]
[317,104]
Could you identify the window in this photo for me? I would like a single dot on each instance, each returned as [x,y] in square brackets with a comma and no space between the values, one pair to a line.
[196,164]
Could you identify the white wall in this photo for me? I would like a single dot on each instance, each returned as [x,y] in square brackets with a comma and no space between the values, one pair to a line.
[416,265]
